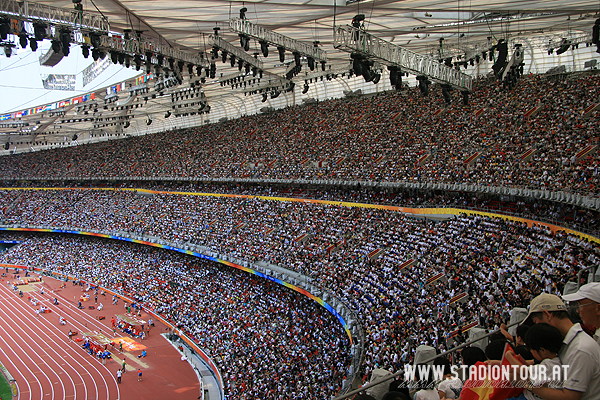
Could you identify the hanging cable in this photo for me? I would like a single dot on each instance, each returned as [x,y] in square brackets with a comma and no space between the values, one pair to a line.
[371,15]
[334,15]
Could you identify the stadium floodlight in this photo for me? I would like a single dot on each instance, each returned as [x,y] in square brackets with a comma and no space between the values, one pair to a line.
[241,56]
[60,17]
[354,40]
[264,48]
[305,88]
[56,47]
[4,29]
[39,31]
[23,39]
[267,37]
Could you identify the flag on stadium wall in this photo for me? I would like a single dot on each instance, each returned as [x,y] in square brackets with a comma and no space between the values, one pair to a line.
[462,297]
[406,264]
[435,278]
[330,248]
[374,254]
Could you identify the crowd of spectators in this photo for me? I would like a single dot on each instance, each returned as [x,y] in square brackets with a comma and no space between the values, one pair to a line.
[563,214]
[260,334]
[386,137]
[267,341]
[499,264]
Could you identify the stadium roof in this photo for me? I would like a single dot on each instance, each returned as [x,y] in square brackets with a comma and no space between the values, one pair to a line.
[468,29]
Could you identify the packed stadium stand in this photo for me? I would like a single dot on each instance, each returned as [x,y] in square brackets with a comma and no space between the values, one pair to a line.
[306,249]
[392,137]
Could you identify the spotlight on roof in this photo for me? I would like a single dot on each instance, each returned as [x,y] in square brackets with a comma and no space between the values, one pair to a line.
[56,46]
[596,32]
[357,19]
[85,50]
[137,59]
[149,120]
[264,97]
[564,46]
[281,51]
[376,77]
[264,48]
[168,114]
[243,12]
[423,84]
[446,93]
[65,39]
[23,39]
[305,88]
[33,45]
[4,29]
[39,31]
[245,42]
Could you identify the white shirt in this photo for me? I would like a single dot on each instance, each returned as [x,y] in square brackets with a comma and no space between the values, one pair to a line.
[549,364]
[582,354]
[427,394]
[451,387]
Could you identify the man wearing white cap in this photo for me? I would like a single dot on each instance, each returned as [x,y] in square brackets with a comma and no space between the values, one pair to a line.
[588,305]
[579,352]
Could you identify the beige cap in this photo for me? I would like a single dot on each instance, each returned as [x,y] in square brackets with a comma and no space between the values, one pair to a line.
[547,302]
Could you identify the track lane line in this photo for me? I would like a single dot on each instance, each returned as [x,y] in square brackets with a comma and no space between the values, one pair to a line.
[51,328]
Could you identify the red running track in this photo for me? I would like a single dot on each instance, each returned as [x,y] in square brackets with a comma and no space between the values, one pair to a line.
[41,359]
[47,366]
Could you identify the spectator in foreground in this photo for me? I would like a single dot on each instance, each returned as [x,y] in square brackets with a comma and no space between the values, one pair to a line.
[449,387]
[579,351]
[545,342]
[588,306]
[425,383]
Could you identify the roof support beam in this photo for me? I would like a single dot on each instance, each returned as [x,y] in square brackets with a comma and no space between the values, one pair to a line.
[34,12]
[246,27]
[354,40]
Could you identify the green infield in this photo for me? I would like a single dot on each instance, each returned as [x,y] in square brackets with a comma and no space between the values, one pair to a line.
[5,392]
